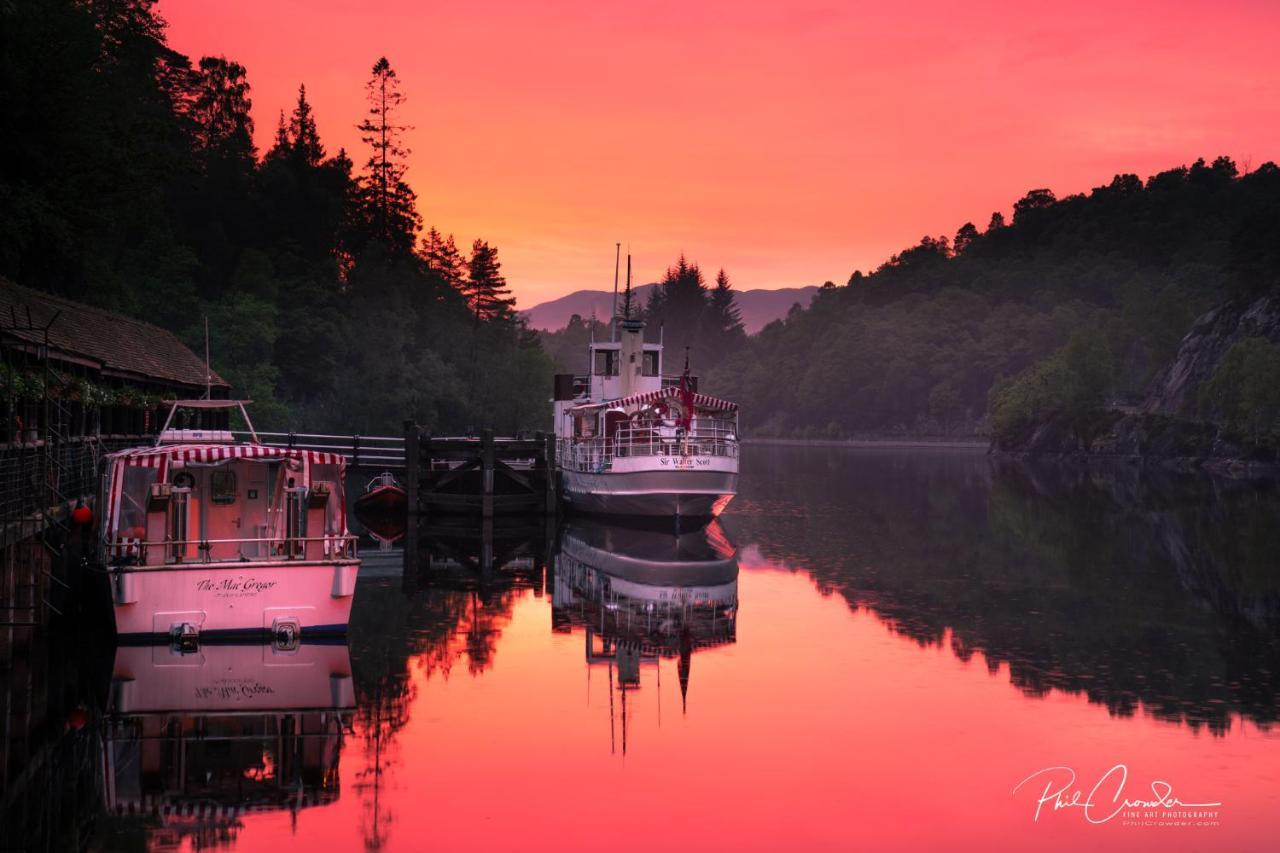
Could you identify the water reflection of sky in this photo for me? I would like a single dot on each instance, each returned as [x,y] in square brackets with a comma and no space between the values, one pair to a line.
[817,727]
[894,643]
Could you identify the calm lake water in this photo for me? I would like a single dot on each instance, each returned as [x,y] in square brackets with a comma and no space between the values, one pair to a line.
[873,649]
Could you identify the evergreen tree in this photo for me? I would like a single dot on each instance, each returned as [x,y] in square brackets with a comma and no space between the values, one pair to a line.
[726,319]
[304,138]
[224,127]
[485,289]
[443,258]
[281,146]
[679,307]
[966,234]
[388,206]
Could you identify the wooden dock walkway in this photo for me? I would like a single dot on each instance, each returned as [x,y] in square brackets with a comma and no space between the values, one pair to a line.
[484,475]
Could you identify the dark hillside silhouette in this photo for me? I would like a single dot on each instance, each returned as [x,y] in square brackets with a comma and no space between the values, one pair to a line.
[129,180]
[1076,304]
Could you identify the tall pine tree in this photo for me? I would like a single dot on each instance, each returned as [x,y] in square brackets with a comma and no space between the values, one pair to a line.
[726,319]
[304,138]
[485,289]
[388,206]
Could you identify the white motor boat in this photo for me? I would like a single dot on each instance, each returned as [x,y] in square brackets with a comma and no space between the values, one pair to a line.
[203,534]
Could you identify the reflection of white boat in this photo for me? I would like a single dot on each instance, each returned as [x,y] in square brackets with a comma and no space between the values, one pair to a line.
[633,442]
[662,592]
[198,738]
[204,534]
[640,596]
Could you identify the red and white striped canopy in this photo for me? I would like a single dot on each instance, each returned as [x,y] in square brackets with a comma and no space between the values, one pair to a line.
[671,392]
[159,457]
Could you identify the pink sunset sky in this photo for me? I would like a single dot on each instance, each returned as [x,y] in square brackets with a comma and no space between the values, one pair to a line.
[790,143]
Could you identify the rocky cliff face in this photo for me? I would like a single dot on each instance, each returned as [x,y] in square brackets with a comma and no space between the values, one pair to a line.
[1173,392]
[1167,428]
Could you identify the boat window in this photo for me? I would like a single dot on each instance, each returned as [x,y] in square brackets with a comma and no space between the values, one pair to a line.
[606,362]
[328,477]
[134,492]
[222,487]
[650,364]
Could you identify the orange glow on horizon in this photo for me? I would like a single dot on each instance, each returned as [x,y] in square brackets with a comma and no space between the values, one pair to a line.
[789,143]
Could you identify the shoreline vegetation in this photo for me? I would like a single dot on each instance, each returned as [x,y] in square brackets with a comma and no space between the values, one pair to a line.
[1226,461]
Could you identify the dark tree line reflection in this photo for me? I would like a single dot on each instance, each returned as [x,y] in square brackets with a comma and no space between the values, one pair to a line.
[1135,588]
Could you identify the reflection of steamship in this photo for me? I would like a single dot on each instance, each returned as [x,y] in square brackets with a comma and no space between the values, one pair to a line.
[199,739]
[642,595]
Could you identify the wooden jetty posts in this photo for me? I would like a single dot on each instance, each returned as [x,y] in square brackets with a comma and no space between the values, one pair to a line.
[480,475]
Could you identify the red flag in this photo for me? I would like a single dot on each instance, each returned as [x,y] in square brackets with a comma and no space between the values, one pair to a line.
[686,395]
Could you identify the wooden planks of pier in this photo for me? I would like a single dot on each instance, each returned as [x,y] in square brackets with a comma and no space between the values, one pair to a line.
[482,475]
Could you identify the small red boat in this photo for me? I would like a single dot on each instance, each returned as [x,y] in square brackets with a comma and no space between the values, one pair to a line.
[383,507]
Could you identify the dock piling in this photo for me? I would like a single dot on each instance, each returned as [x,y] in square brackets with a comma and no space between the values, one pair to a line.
[412,448]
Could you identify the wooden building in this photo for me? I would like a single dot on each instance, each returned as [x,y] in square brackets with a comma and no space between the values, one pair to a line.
[76,382]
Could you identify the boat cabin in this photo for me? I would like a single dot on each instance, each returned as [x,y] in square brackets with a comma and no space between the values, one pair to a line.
[201,497]
[607,377]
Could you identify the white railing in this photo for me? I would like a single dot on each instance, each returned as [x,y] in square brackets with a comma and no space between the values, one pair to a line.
[706,438]
[370,450]
[139,552]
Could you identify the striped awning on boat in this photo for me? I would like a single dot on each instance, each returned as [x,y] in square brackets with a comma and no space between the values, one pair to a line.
[704,402]
[160,457]
[164,456]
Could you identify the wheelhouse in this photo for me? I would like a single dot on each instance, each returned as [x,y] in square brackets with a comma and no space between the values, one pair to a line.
[198,497]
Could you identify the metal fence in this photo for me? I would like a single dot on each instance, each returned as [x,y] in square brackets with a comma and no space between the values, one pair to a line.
[36,476]
[708,437]
[373,451]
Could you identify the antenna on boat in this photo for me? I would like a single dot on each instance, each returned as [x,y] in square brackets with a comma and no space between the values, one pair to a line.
[208,374]
[613,317]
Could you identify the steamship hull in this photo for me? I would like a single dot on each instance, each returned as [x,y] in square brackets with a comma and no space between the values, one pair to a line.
[684,494]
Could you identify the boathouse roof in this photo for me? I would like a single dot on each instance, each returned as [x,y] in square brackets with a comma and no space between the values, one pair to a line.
[115,345]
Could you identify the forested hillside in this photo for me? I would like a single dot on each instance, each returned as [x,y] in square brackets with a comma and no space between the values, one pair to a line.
[1076,303]
[129,179]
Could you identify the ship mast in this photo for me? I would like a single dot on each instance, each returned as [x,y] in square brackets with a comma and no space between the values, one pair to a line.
[613,317]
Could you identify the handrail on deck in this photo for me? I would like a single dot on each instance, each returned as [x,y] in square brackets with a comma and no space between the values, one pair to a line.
[344,546]
[707,438]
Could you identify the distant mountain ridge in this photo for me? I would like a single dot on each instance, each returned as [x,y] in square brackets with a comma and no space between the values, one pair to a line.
[759,307]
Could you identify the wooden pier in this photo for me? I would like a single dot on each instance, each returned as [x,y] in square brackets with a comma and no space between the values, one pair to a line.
[482,475]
